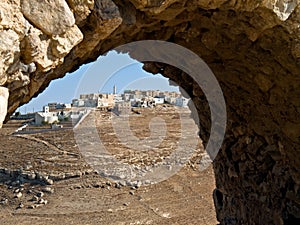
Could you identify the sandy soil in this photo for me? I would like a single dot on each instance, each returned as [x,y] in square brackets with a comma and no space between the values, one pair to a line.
[82,196]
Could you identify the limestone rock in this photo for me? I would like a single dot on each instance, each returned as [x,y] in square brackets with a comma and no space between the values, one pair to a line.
[62,44]
[3,103]
[19,195]
[9,51]
[53,17]
[81,8]
[282,8]
[12,18]
[49,52]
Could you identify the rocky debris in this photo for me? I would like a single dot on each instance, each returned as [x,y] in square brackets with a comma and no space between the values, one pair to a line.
[19,195]
[35,198]
[48,181]
[4,201]
[126,203]
[117,185]
[20,206]
[40,194]
[48,190]
[18,177]
[42,201]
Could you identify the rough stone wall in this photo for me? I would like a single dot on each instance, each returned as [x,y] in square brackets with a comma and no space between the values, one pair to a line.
[252,46]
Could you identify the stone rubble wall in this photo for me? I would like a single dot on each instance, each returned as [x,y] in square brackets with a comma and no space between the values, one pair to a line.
[252,46]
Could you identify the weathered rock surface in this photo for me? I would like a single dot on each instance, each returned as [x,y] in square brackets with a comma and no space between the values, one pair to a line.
[252,47]
[3,103]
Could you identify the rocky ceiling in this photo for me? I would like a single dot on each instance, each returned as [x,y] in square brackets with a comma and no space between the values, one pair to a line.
[252,47]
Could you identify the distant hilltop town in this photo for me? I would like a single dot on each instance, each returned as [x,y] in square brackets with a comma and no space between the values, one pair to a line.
[136,98]
[54,113]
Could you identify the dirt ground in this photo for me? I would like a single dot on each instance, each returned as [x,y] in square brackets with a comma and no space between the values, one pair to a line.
[81,195]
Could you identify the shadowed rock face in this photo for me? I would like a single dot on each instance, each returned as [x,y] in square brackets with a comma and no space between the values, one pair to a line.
[252,47]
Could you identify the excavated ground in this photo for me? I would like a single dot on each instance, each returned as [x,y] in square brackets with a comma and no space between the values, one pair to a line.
[81,196]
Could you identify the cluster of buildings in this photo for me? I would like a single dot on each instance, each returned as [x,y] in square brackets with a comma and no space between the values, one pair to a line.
[95,101]
[136,98]
[119,103]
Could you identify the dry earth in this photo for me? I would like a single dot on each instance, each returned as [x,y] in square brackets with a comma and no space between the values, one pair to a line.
[81,196]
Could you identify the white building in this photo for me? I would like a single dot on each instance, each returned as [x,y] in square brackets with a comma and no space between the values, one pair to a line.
[68,105]
[182,102]
[45,117]
[118,98]
[78,103]
[95,100]
[158,100]
[170,100]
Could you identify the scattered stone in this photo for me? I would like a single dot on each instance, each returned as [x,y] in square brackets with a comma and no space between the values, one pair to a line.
[42,202]
[39,176]
[15,183]
[40,194]
[131,192]
[28,167]
[147,182]
[35,198]
[122,183]
[48,190]
[7,171]
[139,184]
[96,185]
[31,206]
[20,206]
[31,176]
[4,201]
[117,185]
[49,181]
[78,173]
[19,195]
[110,210]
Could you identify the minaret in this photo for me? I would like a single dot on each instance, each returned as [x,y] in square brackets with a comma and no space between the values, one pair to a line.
[115,90]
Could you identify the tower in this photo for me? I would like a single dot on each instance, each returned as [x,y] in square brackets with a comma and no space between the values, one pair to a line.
[115,90]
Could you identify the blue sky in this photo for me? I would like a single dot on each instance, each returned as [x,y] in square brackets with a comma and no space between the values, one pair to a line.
[99,76]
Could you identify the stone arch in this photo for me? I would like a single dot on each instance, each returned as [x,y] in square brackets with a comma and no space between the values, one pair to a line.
[251,46]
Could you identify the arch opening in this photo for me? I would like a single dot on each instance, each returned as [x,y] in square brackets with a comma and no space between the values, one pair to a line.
[201,187]
[251,46]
